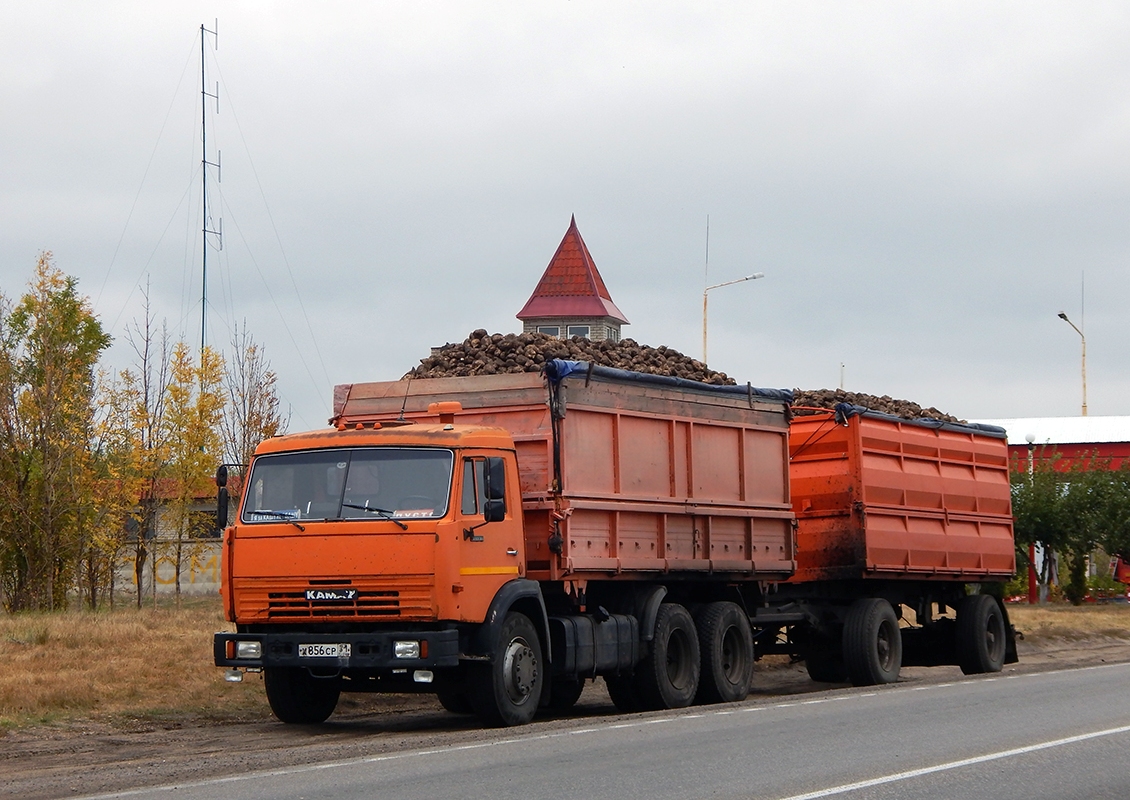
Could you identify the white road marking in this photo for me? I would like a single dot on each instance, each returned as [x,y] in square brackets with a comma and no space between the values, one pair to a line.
[965,762]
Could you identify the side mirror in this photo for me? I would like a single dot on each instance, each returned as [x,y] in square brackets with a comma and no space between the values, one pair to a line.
[496,478]
[221,499]
[494,509]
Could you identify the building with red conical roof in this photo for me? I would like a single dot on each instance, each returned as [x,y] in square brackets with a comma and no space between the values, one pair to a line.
[571,298]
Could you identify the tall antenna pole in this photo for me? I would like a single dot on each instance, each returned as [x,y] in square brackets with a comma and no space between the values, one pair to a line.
[206,227]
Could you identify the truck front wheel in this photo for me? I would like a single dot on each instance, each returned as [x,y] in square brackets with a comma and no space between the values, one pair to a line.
[297,697]
[507,690]
[980,635]
[668,677]
[872,643]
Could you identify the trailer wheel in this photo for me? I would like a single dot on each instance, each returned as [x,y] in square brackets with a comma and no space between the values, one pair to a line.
[623,693]
[826,665]
[872,642]
[565,692]
[980,635]
[297,697]
[668,677]
[507,690]
[725,643]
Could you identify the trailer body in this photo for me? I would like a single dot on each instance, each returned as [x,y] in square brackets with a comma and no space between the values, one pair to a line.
[878,497]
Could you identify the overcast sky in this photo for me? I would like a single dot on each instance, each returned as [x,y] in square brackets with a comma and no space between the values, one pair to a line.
[923,185]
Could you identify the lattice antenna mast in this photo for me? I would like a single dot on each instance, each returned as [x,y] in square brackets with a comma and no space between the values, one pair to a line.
[207,228]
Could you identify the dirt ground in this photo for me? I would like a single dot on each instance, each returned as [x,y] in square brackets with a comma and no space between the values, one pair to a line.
[66,760]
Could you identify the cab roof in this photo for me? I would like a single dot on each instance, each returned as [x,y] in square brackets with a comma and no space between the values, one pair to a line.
[411,435]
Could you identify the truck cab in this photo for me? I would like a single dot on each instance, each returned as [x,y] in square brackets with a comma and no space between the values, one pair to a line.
[364,559]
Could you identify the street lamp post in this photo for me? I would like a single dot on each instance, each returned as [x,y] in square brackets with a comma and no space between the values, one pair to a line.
[1083,338]
[752,277]
[1032,584]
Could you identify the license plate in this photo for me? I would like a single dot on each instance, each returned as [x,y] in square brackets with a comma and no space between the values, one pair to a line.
[343,650]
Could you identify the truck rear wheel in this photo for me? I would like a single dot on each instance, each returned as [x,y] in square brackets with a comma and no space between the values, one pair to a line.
[668,677]
[725,643]
[980,635]
[297,697]
[872,642]
[507,690]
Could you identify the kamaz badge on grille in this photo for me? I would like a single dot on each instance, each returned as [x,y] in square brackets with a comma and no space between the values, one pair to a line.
[331,594]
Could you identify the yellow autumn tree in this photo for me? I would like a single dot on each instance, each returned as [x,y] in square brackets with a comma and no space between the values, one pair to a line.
[194,405]
[50,343]
[141,392]
[115,486]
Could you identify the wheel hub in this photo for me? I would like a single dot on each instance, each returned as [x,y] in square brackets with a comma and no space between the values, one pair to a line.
[884,647]
[520,668]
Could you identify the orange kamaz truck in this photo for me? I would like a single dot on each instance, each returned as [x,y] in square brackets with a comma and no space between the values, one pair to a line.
[499,540]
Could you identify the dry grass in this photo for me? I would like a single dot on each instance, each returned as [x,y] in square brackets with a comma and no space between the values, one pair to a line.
[1073,623]
[117,667]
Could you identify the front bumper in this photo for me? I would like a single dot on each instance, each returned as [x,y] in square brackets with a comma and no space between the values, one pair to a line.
[368,651]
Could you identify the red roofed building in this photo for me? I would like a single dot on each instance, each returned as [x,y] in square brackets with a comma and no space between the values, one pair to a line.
[571,298]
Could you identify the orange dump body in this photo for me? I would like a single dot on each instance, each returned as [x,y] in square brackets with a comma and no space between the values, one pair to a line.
[880,497]
[647,479]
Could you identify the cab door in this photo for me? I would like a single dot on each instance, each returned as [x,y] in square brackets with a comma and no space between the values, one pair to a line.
[490,546]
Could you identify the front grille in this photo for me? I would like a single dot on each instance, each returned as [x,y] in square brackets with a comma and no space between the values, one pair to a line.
[291,605]
[407,597]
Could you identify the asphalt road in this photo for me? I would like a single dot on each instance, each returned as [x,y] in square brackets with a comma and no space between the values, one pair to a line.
[1061,735]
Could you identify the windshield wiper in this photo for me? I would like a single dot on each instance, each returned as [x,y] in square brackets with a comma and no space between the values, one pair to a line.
[288,516]
[383,512]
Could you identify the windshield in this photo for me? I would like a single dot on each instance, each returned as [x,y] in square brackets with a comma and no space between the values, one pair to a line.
[372,483]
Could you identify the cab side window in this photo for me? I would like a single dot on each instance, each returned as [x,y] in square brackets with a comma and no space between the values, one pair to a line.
[474,486]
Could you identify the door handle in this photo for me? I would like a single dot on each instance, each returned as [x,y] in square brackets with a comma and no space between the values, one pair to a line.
[510,551]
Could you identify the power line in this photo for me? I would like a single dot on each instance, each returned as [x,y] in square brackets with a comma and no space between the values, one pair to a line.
[145,174]
[274,228]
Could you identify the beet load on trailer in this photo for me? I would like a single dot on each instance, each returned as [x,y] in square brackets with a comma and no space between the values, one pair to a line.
[499,540]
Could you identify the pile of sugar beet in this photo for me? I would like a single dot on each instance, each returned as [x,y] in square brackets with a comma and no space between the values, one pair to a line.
[484,353]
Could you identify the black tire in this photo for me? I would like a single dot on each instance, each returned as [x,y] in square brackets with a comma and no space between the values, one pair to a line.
[454,701]
[872,642]
[668,677]
[507,691]
[826,665]
[565,692]
[297,697]
[623,693]
[980,636]
[725,644]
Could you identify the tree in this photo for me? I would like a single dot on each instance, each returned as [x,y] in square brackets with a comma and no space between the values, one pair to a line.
[140,393]
[194,405]
[50,344]
[1071,512]
[116,485]
[252,411]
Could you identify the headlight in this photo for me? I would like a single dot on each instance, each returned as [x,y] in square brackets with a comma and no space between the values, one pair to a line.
[248,650]
[406,649]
